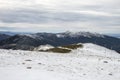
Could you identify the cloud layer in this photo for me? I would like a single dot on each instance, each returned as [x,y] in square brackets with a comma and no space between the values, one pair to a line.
[60,15]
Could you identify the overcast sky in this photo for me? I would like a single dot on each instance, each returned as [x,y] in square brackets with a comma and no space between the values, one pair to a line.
[102,16]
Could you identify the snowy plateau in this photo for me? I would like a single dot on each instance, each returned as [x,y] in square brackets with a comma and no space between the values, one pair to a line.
[92,62]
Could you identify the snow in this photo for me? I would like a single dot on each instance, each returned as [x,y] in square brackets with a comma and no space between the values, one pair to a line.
[96,50]
[24,74]
[92,62]
[65,34]
[34,36]
[77,34]
[43,47]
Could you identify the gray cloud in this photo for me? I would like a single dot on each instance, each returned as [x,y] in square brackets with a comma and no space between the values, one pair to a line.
[6,28]
[29,16]
[98,14]
[15,16]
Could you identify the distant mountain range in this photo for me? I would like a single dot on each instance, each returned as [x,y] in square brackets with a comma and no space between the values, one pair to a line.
[115,35]
[12,33]
[31,41]
[3,36]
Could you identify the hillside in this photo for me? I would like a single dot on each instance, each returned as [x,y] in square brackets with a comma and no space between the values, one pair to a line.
[92,62]
[3,37]
[31,41]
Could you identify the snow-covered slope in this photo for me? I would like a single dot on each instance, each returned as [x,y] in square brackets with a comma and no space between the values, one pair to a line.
[77,34]
[43,47]
[96,50]
[92,62]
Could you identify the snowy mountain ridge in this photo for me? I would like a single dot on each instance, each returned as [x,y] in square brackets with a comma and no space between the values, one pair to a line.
[30,41]
[65,34]
[77,34]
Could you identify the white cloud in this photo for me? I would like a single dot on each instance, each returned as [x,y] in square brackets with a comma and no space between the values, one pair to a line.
[54,27]
[60,15]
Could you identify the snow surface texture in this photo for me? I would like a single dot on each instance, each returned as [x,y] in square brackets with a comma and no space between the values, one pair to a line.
[77,34]
[65,34]
[43,47]
[92,62]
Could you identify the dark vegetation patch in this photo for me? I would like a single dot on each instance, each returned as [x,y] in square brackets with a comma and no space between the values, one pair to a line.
[73,46]
[64,49]
[59,50]
[17,47]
